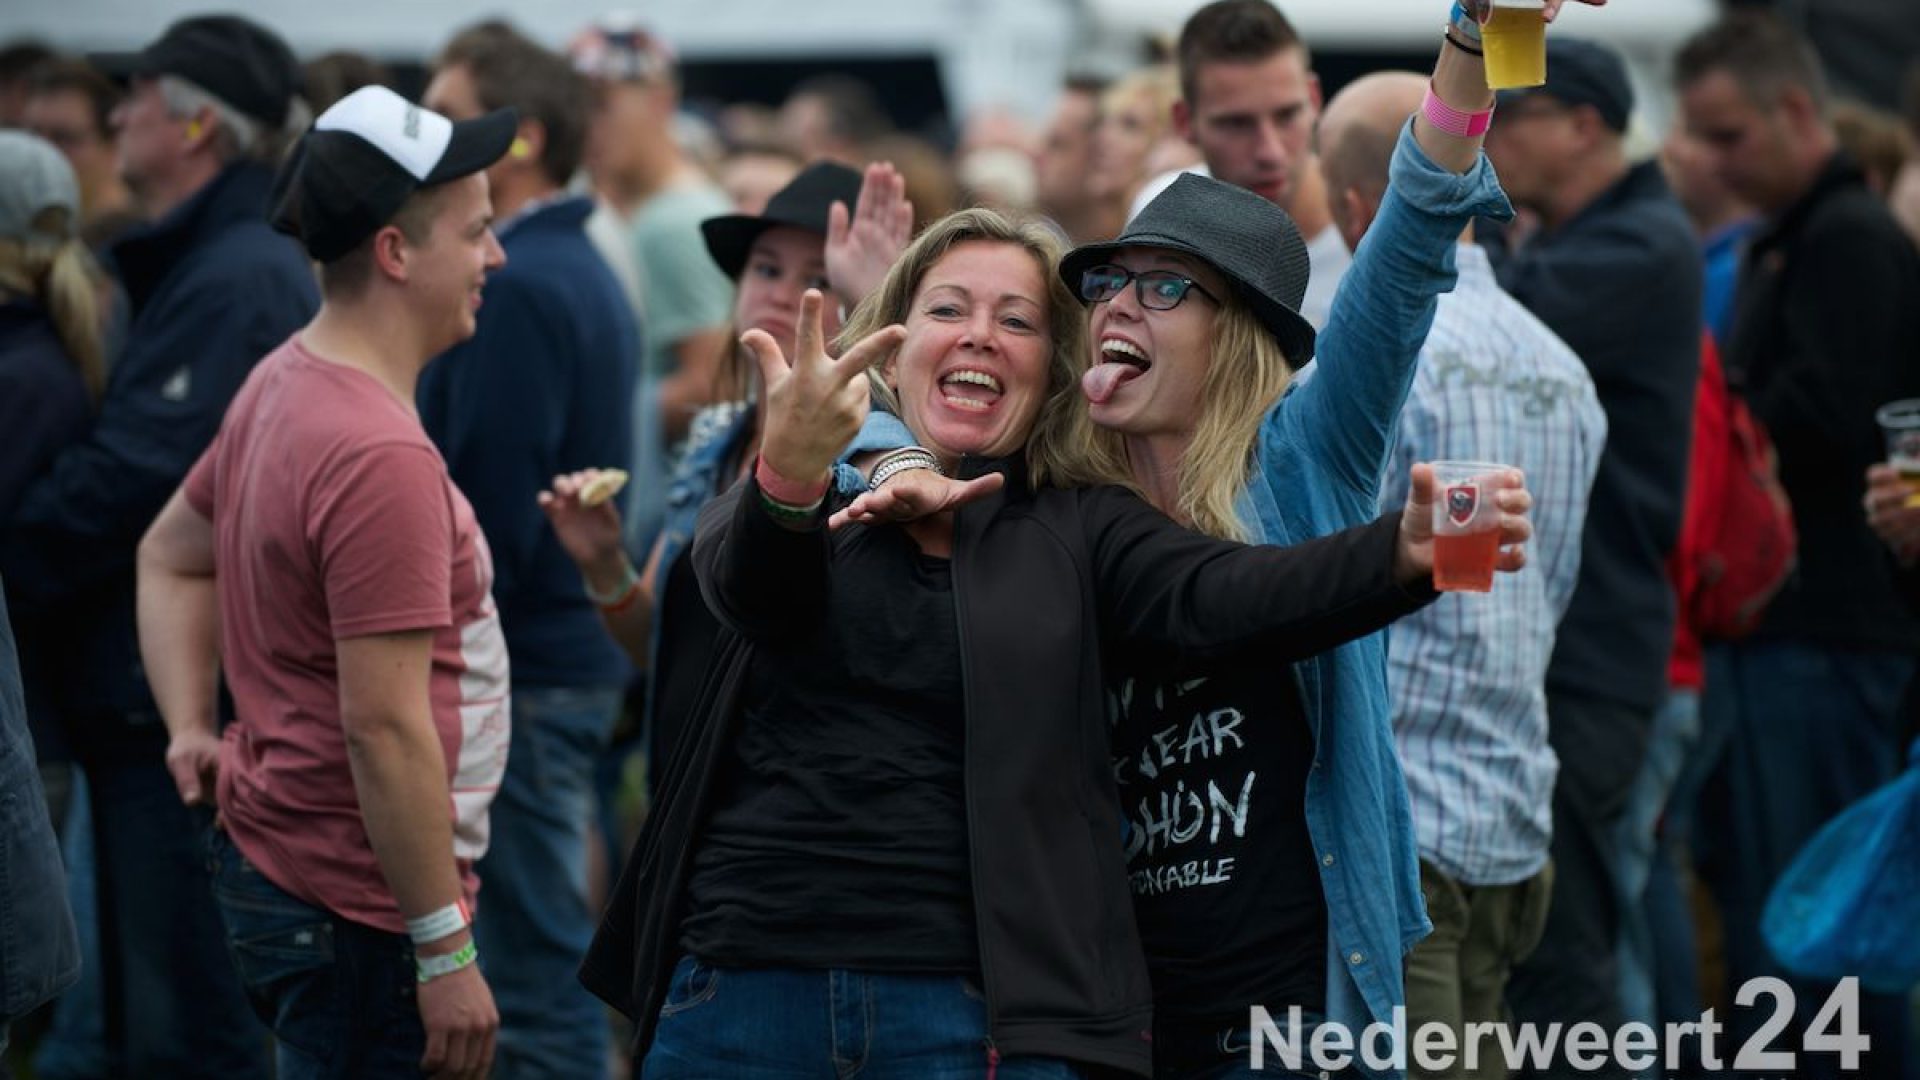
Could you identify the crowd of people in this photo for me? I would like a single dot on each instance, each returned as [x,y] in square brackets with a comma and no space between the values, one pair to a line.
[1003,578]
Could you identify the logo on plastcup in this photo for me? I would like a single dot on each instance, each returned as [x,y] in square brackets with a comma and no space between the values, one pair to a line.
[1906,446]
[1462,501]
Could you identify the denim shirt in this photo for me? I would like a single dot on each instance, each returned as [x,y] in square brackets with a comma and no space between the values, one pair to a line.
[1318,469]
[715,434]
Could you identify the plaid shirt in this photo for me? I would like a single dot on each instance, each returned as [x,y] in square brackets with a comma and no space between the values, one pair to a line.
[1468,673]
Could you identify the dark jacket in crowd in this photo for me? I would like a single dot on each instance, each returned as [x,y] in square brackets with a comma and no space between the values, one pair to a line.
[544,386]
[1039,579]
[1621,283]
[1826,330]
[211,289]
[43,409]
[39,951]
[43,400]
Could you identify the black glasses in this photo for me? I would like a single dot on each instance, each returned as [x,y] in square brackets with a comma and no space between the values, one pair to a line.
[1157,290]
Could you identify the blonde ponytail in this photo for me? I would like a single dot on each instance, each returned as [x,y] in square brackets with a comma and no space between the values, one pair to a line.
[63,276]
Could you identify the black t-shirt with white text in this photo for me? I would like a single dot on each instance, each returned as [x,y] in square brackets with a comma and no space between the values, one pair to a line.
[1212,770]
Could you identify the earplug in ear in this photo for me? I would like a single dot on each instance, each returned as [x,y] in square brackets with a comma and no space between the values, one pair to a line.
[520,149]
[193,129]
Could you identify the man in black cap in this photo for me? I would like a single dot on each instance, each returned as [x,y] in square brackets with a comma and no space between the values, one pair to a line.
[1825,330]
[1612,270]
[210,289]
[543,387]
[352,617]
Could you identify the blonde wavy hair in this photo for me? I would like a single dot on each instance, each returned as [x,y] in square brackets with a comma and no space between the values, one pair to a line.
[55,269]
[1061,450]
[1246,373]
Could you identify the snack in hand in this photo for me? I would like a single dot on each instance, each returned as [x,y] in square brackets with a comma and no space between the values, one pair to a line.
[603,487]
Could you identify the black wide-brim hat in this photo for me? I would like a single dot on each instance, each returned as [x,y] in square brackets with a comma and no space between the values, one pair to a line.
[1252,243]
[802,204]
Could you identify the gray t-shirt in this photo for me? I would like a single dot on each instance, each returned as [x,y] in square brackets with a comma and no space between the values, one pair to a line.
[683,291]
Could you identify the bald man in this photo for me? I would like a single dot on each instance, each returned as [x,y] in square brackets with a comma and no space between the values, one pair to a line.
[1493,384]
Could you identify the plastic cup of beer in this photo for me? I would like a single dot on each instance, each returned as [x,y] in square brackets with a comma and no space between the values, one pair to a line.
[1466,524]
[1900,421]
[1515,40]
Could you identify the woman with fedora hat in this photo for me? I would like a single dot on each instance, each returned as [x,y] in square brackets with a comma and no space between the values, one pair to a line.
[830,228]
[1315,891]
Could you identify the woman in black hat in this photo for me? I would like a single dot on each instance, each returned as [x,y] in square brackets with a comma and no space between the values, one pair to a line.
[830,228]
[889,842]
[1312,894]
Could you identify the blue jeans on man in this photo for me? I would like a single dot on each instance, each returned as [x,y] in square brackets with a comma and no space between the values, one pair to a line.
[338,995]
[534,921]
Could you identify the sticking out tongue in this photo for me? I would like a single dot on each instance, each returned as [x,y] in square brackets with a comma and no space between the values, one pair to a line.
[1101,380]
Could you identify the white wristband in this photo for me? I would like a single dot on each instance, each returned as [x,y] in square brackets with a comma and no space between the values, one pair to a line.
[447,921]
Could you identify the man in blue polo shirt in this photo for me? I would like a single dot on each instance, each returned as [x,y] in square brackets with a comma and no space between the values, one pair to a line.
[542,388]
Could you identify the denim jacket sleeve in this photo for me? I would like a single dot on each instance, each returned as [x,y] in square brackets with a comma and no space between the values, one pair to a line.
[1343,410]
[882,431]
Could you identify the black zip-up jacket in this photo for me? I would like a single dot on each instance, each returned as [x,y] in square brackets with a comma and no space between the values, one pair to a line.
[1826,330]
[1621,284]
[1039,578]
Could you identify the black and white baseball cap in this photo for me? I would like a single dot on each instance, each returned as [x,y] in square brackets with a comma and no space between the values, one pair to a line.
[365,156]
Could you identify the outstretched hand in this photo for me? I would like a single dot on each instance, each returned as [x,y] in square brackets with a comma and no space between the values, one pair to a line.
[815,403]
[862,246]
[1415,557]
[913,495]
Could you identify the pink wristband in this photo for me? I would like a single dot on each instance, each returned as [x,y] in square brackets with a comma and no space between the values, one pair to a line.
[782,490]
[1452,121]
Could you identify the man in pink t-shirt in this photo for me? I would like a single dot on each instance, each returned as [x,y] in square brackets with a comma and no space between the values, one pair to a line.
[320,556]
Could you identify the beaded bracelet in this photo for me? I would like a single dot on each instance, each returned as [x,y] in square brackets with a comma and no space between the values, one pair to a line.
[902,460]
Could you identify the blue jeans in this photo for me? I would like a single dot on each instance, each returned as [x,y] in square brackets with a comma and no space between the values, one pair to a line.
[534,922]
[173,1006]
[75,1046]
[1813,729]
[1638,847]
[783,1024]
[338,995]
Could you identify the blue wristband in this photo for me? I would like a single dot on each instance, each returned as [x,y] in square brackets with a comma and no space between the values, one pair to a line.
[1463,22]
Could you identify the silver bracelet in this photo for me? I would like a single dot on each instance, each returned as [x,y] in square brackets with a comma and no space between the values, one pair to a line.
[901,460]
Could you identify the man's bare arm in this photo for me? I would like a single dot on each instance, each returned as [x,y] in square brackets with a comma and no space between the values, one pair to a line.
[179,621]
[400,775]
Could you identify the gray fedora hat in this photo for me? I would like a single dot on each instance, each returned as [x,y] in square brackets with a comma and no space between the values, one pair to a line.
[1252,242]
